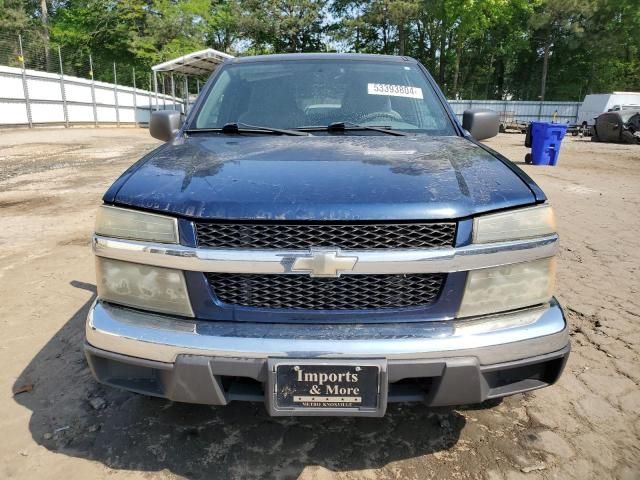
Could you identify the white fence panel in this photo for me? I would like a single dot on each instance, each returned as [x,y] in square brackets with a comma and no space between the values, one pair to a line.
[45,100]
[11,87]
[127,115]
[524,111]
[143,100]
[77,92]
[13,114]
[125,99]
[106,114]
[44,89]
[47,113]
[105,96]
[80,113]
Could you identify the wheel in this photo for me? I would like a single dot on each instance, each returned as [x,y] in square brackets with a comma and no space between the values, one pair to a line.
[527,159]
[501,129]
[594,138]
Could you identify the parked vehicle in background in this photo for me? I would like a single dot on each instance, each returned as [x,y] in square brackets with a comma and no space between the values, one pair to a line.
[508,123]
[621,126]
[595,104]
[323,236]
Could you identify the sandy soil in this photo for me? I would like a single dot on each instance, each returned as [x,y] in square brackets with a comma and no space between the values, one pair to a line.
[587,426]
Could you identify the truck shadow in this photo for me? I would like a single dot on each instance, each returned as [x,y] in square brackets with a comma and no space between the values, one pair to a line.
[73,415]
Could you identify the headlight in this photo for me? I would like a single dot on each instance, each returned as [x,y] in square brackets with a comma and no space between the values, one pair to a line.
[514,224]
[497,289]
[150,288]
[134,225]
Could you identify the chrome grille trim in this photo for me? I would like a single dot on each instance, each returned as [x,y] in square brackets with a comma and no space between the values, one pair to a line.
[432,260]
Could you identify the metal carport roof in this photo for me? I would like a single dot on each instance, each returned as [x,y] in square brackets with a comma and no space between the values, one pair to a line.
[202,62]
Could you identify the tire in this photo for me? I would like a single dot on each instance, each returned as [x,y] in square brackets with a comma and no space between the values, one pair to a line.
[594,138]
[527,159]
[501,129]
[629,138]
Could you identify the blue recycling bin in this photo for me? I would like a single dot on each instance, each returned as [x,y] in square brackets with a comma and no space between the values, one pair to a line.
[545,142]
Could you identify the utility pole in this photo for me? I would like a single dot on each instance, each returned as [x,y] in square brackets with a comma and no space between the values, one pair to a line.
[545,68]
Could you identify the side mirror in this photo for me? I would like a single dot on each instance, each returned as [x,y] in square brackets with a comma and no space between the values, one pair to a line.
[481,124]
[164,124]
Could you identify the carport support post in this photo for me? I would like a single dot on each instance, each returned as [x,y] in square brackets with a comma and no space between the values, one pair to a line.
[135,104]
[150,96]
[173,92]
[93,93]
[164,92]
[115,94]
[25,87]
[155,87]
[65,111]
[186,94]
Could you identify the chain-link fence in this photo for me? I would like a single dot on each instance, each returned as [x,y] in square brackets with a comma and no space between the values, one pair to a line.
[44,83]
[31,51]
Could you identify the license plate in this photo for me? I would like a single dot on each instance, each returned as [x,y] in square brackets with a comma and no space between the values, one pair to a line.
[326,387]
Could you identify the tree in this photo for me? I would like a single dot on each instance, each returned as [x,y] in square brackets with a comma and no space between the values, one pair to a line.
[283,25]
[224,24]
[521,49]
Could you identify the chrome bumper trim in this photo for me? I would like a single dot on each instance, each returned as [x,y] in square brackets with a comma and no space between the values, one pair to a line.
[433,260]
[492,339]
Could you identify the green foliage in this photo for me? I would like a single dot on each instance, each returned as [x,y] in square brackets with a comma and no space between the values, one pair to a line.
[474,48]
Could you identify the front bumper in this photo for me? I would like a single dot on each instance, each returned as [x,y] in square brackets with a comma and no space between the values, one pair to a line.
[439,363]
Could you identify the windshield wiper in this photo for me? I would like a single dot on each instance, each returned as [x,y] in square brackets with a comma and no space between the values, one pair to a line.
[238,127]
[344,126]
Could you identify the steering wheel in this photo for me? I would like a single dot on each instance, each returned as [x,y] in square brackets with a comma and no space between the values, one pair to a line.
[370,116]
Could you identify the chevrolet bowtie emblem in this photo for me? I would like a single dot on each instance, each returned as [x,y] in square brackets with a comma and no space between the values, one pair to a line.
[324,263]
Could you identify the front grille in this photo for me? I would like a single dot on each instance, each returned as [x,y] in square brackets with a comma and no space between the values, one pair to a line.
[348,235]
[349,292]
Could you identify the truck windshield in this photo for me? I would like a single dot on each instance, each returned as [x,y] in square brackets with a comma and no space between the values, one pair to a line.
[316,93]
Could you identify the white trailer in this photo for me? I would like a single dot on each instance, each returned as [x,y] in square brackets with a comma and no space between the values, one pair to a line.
[594,105]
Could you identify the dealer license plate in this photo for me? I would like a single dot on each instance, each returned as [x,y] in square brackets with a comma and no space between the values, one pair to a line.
[327,387]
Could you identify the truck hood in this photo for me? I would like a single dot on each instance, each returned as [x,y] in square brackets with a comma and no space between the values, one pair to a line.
[336,177]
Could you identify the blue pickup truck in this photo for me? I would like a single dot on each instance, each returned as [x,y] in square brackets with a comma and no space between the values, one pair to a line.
[322,235]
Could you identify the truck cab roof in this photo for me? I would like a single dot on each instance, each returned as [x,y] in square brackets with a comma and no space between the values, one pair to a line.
[287,57]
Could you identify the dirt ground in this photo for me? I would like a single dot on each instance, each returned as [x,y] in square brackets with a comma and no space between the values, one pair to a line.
[67,426]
